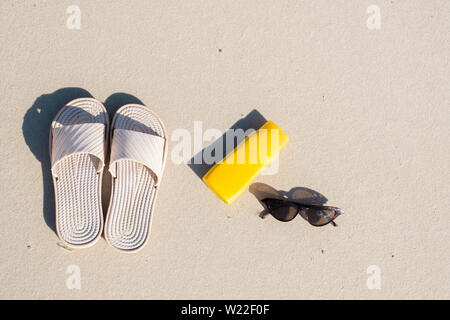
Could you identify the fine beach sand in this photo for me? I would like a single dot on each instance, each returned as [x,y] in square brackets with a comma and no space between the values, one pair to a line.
[367,113]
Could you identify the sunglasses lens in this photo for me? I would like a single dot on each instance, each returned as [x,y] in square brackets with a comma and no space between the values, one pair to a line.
[319,216]
[280,209]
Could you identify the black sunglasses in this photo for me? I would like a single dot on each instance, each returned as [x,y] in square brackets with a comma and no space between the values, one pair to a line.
[316,215]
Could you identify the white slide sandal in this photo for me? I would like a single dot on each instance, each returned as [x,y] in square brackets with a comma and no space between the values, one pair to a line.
[138,157]
[78,139]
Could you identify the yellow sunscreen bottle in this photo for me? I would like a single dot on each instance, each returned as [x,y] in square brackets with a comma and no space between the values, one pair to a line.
[230,177]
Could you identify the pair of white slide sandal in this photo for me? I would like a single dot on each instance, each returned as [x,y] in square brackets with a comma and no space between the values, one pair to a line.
[79,140]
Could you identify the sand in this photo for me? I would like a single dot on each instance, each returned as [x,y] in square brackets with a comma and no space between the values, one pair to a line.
[366,110]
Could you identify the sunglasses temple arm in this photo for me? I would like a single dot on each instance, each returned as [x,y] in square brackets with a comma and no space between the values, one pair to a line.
[334,223]
[264,213]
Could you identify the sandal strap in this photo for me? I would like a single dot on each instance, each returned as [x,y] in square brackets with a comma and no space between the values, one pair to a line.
[87,138]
